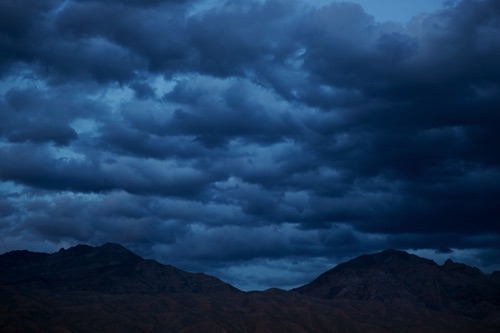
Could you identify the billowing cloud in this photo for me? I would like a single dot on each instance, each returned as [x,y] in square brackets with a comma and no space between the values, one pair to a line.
[237,138]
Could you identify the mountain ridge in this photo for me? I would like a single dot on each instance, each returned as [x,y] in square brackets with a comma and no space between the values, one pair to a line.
[398,277]
[104,268]
[390,291]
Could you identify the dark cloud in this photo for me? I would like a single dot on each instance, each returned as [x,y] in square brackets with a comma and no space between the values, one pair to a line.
[242,139]
[6,208]
[259,118]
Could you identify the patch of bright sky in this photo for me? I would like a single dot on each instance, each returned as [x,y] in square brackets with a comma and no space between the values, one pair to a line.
[23,79]
[83,126]
[263,274]
[161,86]
[11,189]
[60,8]
[390,10]
[114,97]
[201,6]
[467,256]
[11,243]
[66,153]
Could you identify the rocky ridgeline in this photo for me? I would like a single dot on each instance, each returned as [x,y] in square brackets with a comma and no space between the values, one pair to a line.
[109,288]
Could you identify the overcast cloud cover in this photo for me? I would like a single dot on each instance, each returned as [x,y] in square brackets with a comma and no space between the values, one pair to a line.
[262,142]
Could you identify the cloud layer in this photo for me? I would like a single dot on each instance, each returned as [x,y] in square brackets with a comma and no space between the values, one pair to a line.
[260,141]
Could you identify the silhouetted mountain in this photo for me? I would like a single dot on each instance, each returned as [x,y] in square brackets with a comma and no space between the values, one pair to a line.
[110,289]
[396,277]
[108,268]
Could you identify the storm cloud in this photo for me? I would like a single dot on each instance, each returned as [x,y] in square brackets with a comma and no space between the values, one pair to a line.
[259,141]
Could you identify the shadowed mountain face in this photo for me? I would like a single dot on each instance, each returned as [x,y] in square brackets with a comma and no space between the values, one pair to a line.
[110,268]
[396,277]
[109,288]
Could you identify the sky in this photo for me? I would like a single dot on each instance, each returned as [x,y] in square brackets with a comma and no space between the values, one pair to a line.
[261,142]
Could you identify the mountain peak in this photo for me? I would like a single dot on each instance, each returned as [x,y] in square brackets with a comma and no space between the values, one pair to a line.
[385,260]
[459,268]
[397,276]
[109,267]
[113,246]
[392,252]
[387,291]
[400,255]
[104,255]
[80,248]
[106,247]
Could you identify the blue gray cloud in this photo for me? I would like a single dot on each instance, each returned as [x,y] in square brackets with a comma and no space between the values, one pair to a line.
[236,137]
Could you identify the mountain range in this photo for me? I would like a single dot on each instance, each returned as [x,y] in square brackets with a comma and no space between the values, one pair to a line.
[110,289]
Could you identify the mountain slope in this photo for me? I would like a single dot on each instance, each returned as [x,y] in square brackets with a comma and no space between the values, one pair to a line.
[110,289]
[109,268]
[396,277]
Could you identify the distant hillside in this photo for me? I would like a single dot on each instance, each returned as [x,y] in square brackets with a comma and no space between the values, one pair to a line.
[396,277]
[110,289]
[109,268]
